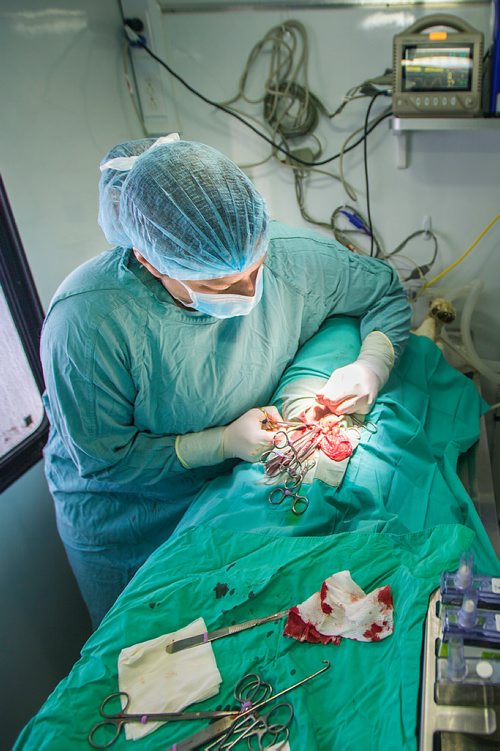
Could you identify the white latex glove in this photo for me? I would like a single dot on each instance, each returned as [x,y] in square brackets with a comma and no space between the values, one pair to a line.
[350,389]
[354,387]
[244,439]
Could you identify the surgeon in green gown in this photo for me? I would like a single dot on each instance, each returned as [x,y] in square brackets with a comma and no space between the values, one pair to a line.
[159,353]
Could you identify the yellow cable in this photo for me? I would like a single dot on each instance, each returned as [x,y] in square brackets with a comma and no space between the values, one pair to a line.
[452,266]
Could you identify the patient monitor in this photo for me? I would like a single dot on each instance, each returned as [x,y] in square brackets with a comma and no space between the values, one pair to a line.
[437,73]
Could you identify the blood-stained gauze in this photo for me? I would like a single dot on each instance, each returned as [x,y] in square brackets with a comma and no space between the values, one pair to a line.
[342,609]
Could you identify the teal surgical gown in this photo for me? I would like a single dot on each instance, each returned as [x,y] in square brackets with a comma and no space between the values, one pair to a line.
[127,370]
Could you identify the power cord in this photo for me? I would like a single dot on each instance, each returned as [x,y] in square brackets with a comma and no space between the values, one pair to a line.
[365,158]
[420,271]
[135,38]
[359,227]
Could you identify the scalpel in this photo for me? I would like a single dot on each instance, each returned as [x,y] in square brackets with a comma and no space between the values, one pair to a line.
[194,641]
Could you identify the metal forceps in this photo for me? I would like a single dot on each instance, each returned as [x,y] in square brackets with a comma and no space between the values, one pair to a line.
[116,720]
[300,503]
[367,424]
[220,729]
[290,458]
[260,731]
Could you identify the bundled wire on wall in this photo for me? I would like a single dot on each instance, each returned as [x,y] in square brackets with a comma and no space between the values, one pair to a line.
[351,228]
[136,39]
[288,105]
[291,111]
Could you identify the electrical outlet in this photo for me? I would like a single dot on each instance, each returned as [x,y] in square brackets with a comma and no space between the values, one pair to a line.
[151,96]
[427,226]
[150,86]
[151,80]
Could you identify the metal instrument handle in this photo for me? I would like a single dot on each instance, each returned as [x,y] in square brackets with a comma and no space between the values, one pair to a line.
[114,715]
[116,724]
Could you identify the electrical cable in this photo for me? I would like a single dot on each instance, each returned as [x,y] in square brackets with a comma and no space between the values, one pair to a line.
[135,39]
[282,93]
[301,124]
[464,255]
[360,227]
[365,158]
[299,177]
[417,272]
[420,271]
[351,193]
[358,222]
[283,90]
[299,192]
[365,89]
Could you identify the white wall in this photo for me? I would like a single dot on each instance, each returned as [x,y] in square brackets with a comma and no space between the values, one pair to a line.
[64,104]
[452,177]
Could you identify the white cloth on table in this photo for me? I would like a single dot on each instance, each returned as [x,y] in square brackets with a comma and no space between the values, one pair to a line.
[157,681]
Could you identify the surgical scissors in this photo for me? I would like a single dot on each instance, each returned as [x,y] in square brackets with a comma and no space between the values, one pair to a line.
[267,729]
[116,720]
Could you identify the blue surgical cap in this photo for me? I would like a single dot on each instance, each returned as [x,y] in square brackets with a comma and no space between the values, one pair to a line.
[189,210]
[110,189]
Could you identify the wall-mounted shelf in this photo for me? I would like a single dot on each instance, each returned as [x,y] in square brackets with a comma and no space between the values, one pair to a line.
[401,126]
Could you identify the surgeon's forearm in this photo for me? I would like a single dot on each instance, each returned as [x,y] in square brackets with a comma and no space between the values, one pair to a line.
[203,449]
[146,464]
[377,353]
[391,316]
[370,290]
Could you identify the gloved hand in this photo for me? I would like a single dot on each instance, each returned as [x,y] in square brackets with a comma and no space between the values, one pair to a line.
[244,439]
[354,387]
[350,389]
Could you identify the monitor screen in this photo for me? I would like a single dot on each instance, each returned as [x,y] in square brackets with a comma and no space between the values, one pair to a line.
[437,68]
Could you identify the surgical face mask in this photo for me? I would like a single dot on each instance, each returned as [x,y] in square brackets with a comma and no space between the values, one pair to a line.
[225,306]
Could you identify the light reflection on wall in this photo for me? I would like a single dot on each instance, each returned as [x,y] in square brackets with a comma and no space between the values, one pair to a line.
[48,21]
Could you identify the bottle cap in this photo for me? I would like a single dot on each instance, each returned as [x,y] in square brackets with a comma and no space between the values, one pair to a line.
[467,615]
[463,577]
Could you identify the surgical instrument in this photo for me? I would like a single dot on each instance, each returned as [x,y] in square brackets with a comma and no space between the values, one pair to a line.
[291,457]
[368,424]
[290,452]
[249,691]
[116,720]
[220,727]
[269,730]
[300,503]
[206,636]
